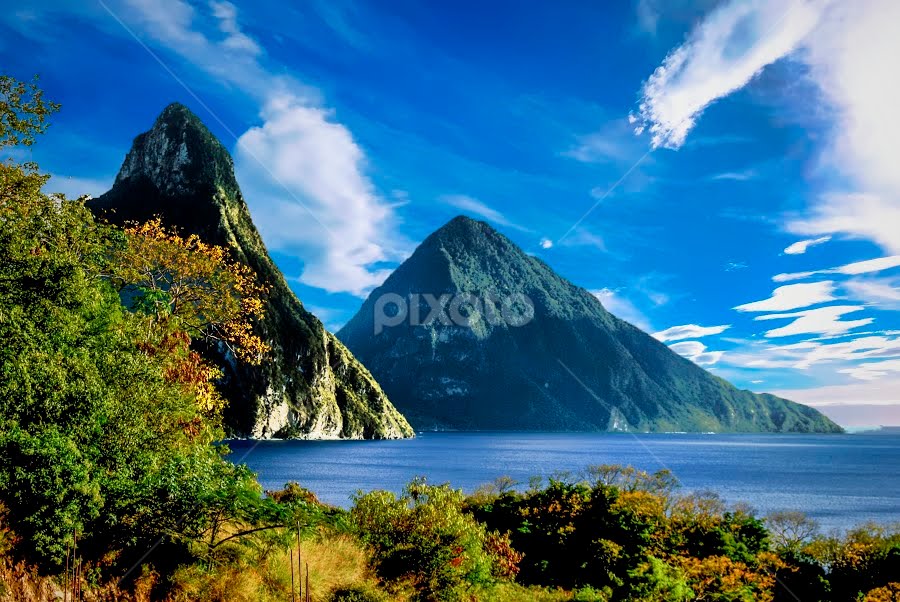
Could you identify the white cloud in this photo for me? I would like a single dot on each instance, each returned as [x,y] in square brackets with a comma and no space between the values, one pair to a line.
[838,43]
[824,320]
[728,49]
[235,39]
[621,307]
[600,147]
[793,296]
[612,142]
[689,331]
[648,15]
[736,176]
[301,149]
[863,100]
[697,353]
[862,215]
[851,269]
[873,370]
[806,354]
[883,393]
[582,237]
[481,209]
[800,247]
[876,291]
[546,243]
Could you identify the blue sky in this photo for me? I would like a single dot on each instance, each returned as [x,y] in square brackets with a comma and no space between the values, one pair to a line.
[715,172]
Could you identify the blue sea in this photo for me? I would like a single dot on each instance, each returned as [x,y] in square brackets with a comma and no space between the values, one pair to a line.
[840,480]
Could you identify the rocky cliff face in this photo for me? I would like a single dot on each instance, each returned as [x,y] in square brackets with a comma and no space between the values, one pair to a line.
[451,338]
[310,385]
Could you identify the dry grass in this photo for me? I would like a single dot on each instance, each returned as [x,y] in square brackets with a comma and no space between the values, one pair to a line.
[335,561]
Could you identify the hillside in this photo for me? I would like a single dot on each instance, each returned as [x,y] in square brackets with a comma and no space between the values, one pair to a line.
[573,366]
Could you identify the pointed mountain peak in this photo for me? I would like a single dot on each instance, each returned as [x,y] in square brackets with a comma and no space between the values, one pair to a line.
[464,237]
[179,155]
[176,110]
[463,227]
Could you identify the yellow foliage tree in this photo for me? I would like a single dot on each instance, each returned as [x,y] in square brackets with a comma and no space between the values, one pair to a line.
[888,593]
[186,285]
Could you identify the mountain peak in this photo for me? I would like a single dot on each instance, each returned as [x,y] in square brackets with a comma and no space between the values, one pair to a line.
[176,109]
[179,155]
[463,227]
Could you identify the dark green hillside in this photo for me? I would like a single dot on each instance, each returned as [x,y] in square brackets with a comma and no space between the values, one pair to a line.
[574,366]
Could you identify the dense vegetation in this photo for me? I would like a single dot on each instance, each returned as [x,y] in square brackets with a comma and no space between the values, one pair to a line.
[108,424]
[574,366]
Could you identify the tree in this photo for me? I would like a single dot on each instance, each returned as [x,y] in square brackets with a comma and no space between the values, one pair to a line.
[186,285]
[23,112]
[425,536]
[790,530]
[107,417]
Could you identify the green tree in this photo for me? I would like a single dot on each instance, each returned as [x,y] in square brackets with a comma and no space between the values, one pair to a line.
[105,425]
[424,536]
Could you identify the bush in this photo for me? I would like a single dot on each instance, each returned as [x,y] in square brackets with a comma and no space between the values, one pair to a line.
[424,536]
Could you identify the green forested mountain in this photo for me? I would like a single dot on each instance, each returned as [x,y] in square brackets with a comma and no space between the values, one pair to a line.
[309,385]
[573,366]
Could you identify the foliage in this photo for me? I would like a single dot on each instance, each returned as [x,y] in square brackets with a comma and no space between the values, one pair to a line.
[107,416]
[23,112]
[186,285]
[656,581]
[791,530]
[425,536]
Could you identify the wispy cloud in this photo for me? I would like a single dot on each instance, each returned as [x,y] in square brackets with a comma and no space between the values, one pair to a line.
[862,144]
[823,320]
[806,354]
[735,176]
[582,237]
[728,49]
[481,209]
[235,39]
[881,292]
[860,403]
[793,296]
[802,246]
[837,42]
[873,370]
[689,331]
[851,269]
[621,307]
[610,144]
[697,353]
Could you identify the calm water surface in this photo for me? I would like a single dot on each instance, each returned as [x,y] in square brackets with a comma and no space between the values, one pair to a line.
[841,480]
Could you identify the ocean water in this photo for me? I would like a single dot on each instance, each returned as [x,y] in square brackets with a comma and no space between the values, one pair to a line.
[840,480]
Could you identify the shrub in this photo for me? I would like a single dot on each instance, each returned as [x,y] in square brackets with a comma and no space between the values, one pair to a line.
[424,536]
